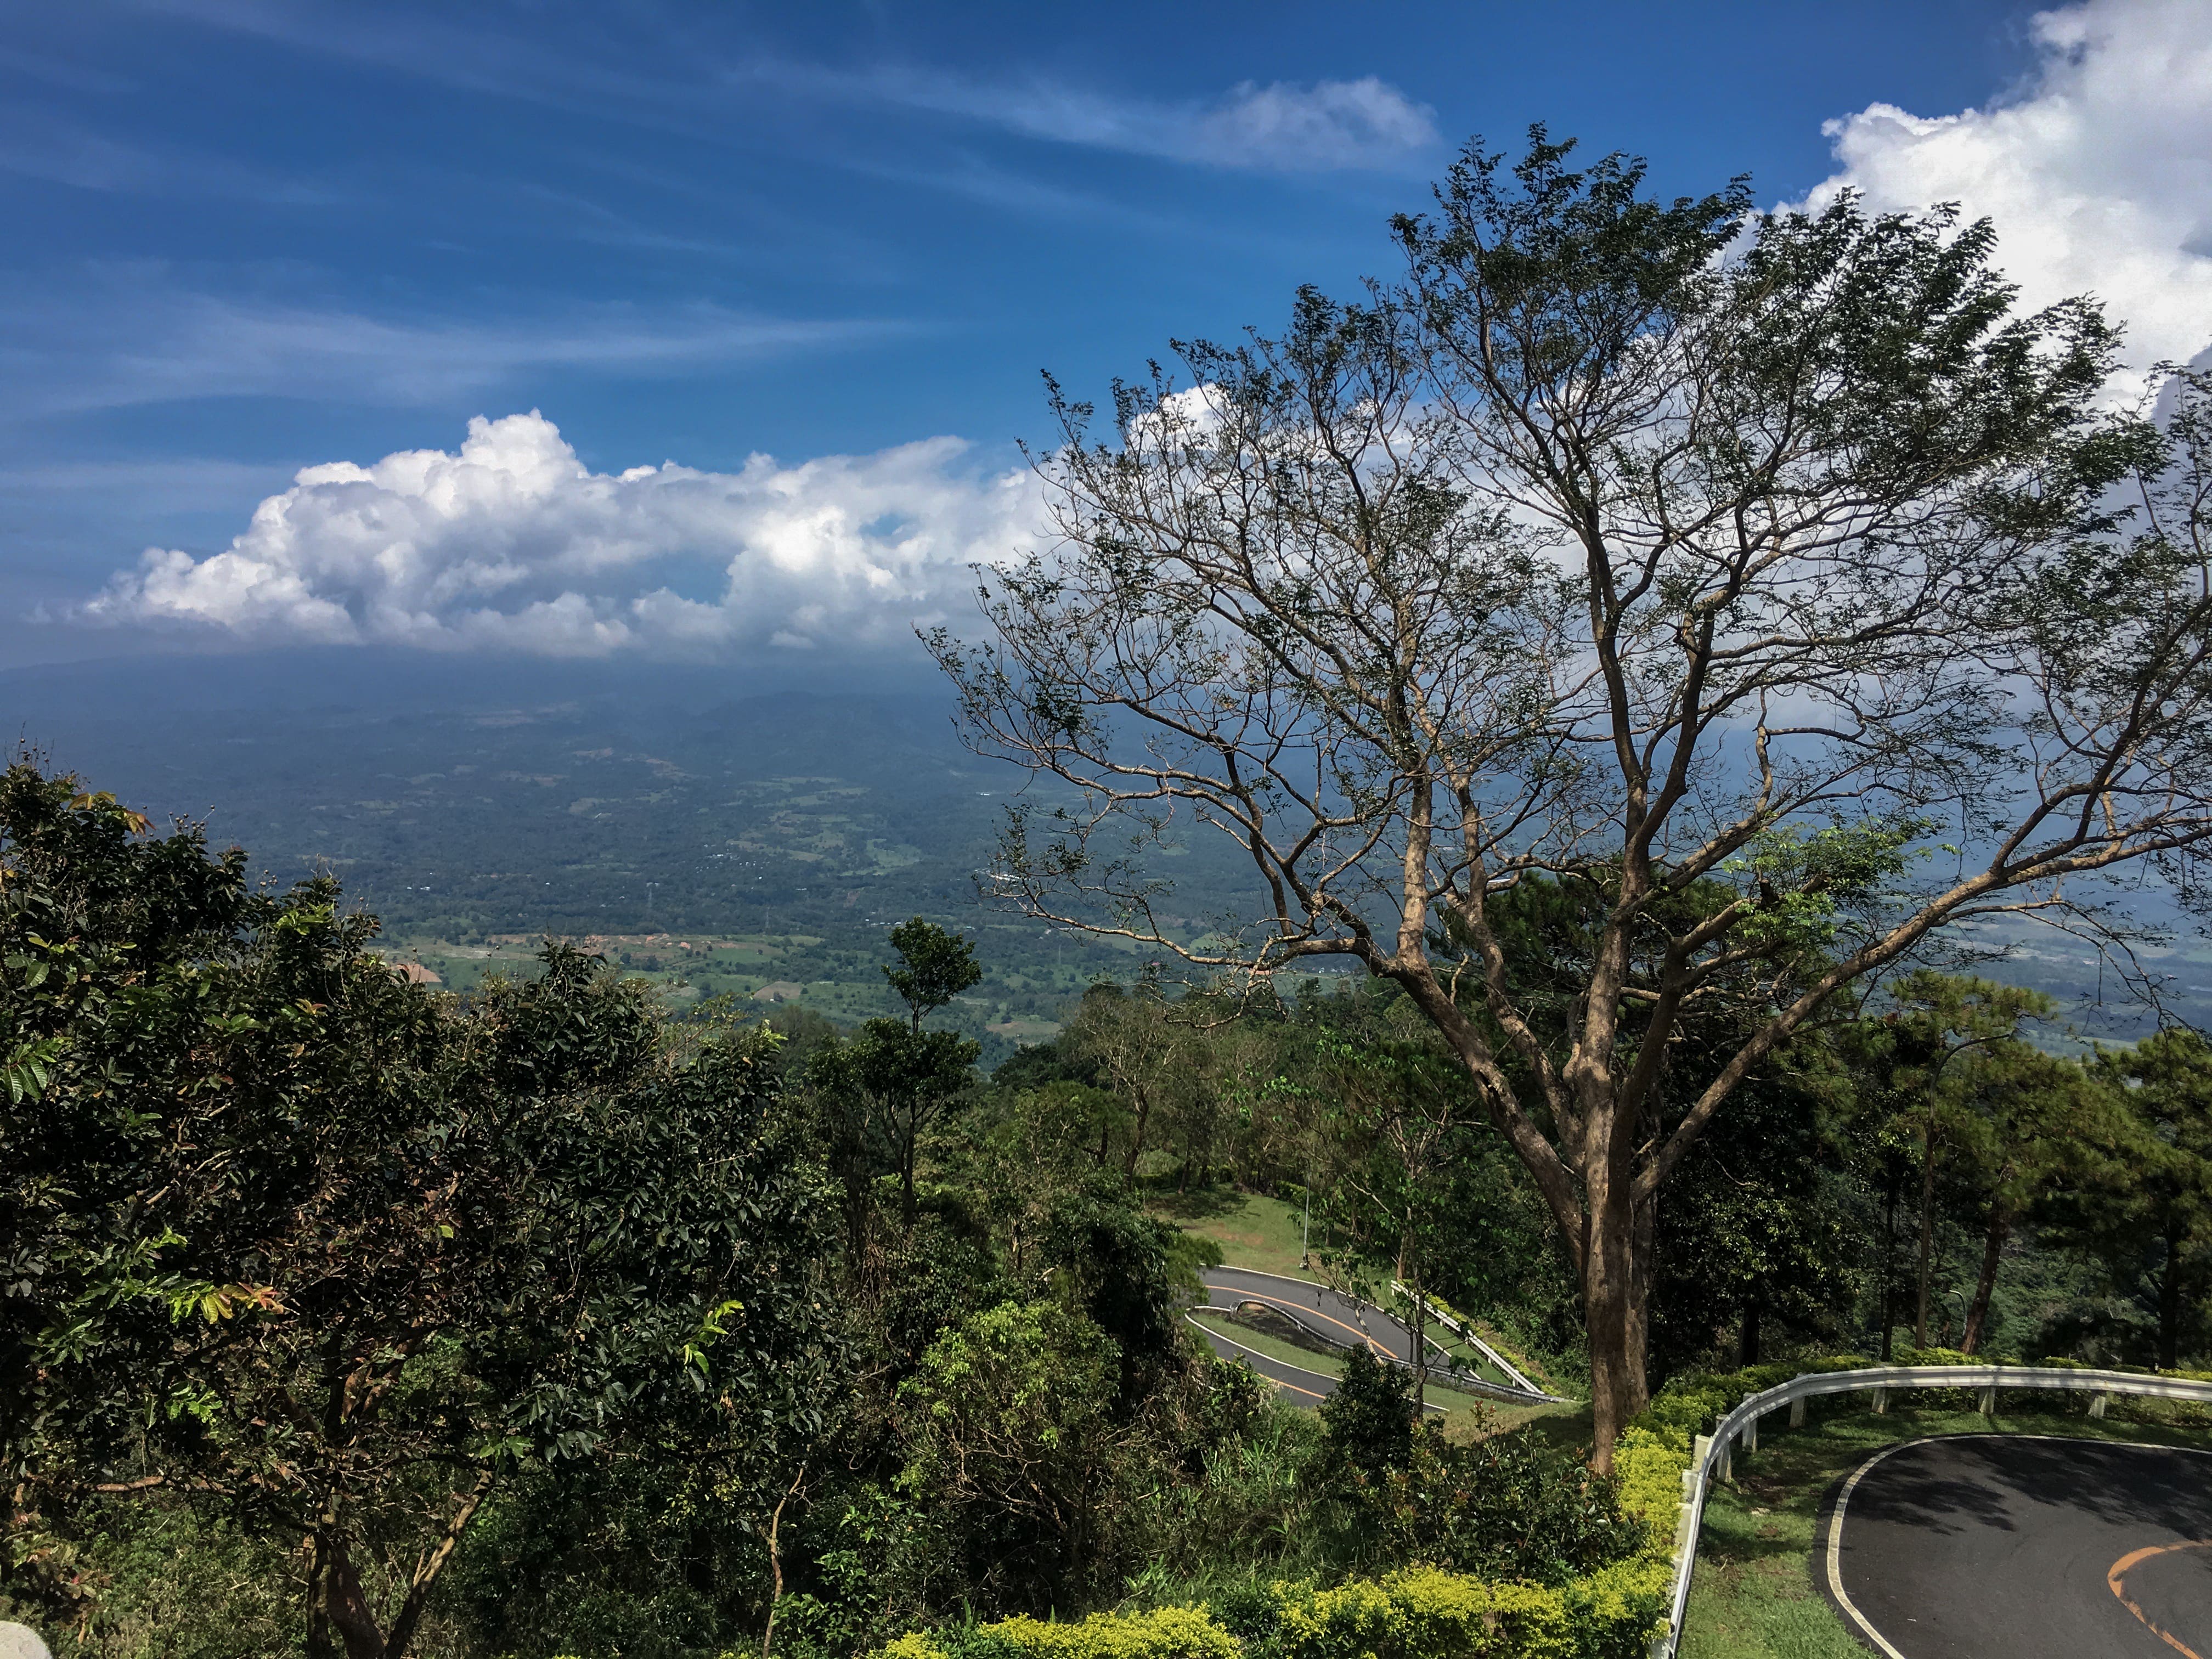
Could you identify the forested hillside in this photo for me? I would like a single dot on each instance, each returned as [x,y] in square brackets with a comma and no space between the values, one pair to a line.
[566,1321]
[1528,772]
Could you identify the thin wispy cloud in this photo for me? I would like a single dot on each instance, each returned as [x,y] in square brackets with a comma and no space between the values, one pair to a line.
[132,339]
[37,143]
[1323,126]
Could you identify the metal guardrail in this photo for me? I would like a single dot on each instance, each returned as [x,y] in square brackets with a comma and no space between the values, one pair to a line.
[1524,1389]
[1713,1454]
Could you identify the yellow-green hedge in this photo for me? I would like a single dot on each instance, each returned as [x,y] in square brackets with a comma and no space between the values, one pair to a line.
[1691,1406]
[1421,1612]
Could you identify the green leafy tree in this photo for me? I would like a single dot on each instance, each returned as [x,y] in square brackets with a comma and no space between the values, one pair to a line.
[934,967]
[1763,1226]
[326,1256]
[2163,1196]
[1368,1422]
[1405,1117]
[2029,1128]
[1643,544]
[1140,1047]
[1920,1062]
[1013,1439]
[895,1079]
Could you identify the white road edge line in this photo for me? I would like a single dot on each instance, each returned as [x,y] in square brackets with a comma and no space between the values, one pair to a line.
[1843,1498]
[1836,1545]
[1217,1336]
[1426,1404]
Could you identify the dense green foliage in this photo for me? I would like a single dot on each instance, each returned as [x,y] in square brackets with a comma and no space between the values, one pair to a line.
[308,1250]
[573,1310]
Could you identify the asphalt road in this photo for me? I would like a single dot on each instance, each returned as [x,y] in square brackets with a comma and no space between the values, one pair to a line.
[1342,1320]
[2017,1546]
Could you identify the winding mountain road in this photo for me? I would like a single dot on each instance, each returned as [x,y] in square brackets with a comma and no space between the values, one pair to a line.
[1343,1321]
[2024,1547]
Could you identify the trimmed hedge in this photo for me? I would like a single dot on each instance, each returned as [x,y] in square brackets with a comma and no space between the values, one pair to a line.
[1692,1405]
[1418,1612]
[1423,1613]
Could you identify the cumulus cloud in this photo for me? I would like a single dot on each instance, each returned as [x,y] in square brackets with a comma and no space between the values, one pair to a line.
[2097,169]
[511,542]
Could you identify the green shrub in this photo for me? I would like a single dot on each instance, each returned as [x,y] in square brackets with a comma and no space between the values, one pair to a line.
[1425,1613]
[1417,1613]
[1420,1612]
[1508,1506]
[1367,1424]
[1163,1633]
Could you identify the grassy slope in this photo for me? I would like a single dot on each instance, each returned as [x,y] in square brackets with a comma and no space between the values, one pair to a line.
[1754,1596]
[1253,1232]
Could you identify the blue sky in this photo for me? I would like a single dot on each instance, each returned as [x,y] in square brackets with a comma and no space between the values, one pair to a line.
[250,239]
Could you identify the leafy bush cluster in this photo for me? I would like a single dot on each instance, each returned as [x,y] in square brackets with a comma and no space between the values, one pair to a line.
[1607,1611]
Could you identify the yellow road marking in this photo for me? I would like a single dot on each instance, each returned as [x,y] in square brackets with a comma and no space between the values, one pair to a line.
[2117,1577]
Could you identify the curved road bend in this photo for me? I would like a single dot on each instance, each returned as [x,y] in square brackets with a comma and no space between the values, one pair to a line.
[2019,1546]
[1342,1320]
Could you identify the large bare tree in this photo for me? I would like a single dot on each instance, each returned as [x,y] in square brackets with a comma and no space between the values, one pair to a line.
[1662,549]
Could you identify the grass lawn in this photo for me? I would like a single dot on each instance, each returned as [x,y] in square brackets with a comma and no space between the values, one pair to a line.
[1253,1232]
[1754,1596]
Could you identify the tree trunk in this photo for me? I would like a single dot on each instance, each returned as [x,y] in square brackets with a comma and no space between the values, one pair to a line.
[1927,1230]
[432,1564]
[1617,1381]
[1420,1339]
[906,1180]
[2169,1304]
[319,1644]
[1978,1311]
[1137,1135]
[1889,1258]
[349,1608]
[1746,1334]
[1643,1273]
[775,1558]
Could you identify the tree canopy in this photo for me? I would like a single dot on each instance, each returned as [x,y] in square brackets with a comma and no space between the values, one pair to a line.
[1637,544]
[332,1257]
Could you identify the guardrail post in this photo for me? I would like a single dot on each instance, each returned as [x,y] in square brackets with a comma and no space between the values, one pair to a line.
[1880,1403]
[1798,1413]
[2097,1404]
[1988,1401]
[1751,1434]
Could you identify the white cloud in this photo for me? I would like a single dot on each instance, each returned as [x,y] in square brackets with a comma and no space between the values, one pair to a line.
[682,85]
[134,335]
[513,544]
[1330,124]
[1282,126]
[2097,170]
